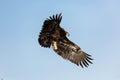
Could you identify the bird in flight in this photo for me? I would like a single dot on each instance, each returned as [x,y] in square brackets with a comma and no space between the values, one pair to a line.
[52,34]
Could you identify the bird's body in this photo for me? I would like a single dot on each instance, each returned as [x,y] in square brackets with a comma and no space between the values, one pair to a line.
[53,35]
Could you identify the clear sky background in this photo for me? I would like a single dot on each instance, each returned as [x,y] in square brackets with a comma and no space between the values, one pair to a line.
[93,24]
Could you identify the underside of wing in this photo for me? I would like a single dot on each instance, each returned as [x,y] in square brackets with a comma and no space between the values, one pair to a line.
[48,29]
[72,52]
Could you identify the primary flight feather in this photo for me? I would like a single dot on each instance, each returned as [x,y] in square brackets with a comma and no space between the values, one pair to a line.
[53,35]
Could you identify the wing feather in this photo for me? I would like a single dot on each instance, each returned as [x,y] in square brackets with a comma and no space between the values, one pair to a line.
[48,29]
[70,51]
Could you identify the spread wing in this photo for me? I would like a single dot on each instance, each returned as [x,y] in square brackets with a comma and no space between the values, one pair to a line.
[48,29]
[70,51]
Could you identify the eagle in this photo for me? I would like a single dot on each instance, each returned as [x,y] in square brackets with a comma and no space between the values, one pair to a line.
[53,35]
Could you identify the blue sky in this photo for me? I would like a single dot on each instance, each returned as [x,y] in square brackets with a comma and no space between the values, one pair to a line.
[93,24]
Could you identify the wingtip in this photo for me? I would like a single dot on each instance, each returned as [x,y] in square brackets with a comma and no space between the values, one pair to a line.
[57,17]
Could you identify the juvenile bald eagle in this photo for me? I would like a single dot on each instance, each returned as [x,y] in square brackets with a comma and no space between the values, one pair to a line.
[53,35]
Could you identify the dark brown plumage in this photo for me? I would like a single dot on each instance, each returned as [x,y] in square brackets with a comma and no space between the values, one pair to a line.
[53,35]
